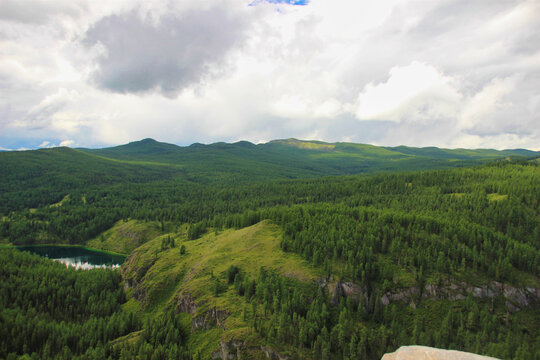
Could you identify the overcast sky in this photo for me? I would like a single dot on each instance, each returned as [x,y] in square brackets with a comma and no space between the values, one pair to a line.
[93,73]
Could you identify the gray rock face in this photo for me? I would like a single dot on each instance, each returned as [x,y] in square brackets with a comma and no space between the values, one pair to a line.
[348,289]
[516,298]
[428,353]
[204,320]
[229,350]
[186,304]
[272,354]
[236,350]
[406,295]
[133,273]
[209,319]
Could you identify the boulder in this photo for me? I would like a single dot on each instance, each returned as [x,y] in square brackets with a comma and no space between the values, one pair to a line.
[416,352]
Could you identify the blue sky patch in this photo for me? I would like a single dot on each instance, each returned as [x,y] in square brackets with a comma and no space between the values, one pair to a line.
[289,2]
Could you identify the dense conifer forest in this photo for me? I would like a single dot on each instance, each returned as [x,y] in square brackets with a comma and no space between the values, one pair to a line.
[401,240]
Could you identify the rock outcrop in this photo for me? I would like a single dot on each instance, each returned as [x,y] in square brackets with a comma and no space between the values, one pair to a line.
[208,319]
[409,295]
[428,353]
[204,320]
[237,349]
[272,354]
[133,272]
[186,304]
[515,298]
[351,290]
[229,350]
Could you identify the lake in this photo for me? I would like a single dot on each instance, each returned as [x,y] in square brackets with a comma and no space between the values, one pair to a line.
[75,256]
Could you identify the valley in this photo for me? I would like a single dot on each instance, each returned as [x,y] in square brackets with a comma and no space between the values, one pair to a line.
[291,249]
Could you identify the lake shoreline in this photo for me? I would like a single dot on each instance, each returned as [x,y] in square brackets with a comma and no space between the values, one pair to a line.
[108,252]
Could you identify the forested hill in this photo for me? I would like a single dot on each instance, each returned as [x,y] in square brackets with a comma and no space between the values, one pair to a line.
[30,179]
[228,256]
[298,158]
[346,267]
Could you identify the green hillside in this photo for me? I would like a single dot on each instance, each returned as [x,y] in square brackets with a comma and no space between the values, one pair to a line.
[461,153]
[389,260]
[30,179]
[200,276]
[34,178]
[315,267]
[292,158]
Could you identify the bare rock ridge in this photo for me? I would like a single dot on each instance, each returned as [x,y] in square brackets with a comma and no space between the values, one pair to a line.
[416,352]
[203,320]
[515,298]
[133,273]
[228,350]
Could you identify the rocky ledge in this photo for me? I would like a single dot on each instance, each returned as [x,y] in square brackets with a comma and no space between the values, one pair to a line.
[237,350]
[205,320]
[428,353]
[515,298]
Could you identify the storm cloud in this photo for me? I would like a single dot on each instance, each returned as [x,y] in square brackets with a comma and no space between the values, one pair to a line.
[140,54]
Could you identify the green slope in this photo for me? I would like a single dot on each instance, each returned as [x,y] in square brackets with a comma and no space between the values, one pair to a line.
[292,158]
[164,278]
[348,259]
[435,152]
[126,236]
[30,179]
[434,258]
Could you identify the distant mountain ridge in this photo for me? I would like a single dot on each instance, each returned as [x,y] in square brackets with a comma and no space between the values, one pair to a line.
[149,143]
[293,158]
[150,147]
[241,162]
[144,146]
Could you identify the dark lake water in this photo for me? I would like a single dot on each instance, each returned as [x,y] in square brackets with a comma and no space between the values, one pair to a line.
[77,257]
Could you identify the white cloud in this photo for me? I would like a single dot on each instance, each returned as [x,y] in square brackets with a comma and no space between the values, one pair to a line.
[497,141]
[45,144]
[50,111]
[448,73]
[37,11]
[67,143]
[486,103]
[416,92]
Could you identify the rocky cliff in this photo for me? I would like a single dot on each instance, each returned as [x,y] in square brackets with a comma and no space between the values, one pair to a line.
[516,298]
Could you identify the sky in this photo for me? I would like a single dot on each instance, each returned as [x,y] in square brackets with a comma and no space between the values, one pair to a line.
[95,73]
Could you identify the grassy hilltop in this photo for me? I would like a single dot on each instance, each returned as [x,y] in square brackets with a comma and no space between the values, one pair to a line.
[196,281]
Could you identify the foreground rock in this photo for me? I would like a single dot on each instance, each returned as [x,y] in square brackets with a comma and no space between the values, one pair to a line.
[428,353]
